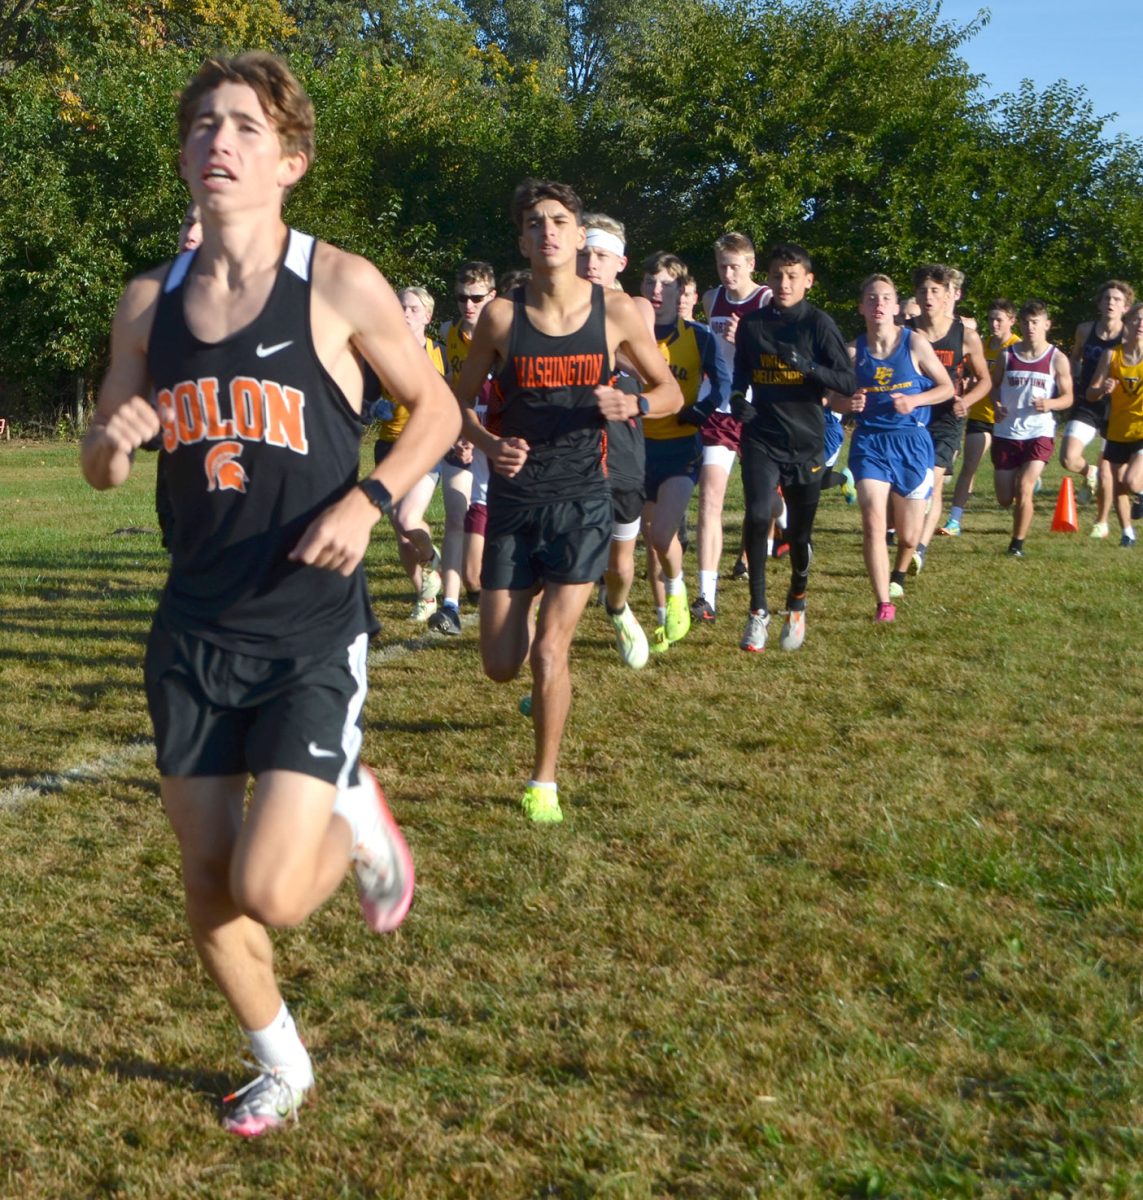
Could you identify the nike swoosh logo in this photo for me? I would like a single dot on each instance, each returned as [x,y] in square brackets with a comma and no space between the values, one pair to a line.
[814,470]
[266,351]
[317,752]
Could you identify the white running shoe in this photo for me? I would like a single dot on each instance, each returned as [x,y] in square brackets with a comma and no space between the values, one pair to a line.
[630,640]
[422,610]
[381,859]
[754,635]
[265,1103]
[1099,530]
[431,582]
[793,630]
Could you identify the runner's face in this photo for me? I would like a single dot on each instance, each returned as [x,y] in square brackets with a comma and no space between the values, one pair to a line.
[1133,329]
[599,265]
[471,300]
[1036,328]
[789,282]
[688,298]
[416,314]
[232,158]
[662,290]
[879,303]
[1112,303]
[934,298]
[190,231]
[1000,324]
[735,271]
[551,235]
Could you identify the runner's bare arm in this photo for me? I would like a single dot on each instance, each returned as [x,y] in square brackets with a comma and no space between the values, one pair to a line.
[1062,369]
[124,417]
[927,362]
[628,335]
[354,308]
[489,346]
[1102,384]
[978,365]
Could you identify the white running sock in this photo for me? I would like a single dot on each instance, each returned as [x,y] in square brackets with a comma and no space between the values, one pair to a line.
[350,803]
[278,1045]
[676,587]
[661,614]
[708,586]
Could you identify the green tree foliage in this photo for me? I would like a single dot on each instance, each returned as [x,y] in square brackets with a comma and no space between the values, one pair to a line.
[855,128]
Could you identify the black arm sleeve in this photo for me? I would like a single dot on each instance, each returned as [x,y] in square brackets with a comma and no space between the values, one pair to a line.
[832,368]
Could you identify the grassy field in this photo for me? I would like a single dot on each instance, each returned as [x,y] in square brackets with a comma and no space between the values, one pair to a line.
[864,920]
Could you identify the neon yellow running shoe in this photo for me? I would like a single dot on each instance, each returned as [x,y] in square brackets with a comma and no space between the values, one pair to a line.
[678,621]
[659,642]
[541,804]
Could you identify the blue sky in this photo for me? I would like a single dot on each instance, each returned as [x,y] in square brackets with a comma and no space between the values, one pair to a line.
[1097,46]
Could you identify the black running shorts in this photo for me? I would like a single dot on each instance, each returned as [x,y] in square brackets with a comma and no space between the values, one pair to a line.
[566,541]
[946,433]
[216,712]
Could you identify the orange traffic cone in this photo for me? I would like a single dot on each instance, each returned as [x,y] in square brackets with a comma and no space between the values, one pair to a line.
[1066,520]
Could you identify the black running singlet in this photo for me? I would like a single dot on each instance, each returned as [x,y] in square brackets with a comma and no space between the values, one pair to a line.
[258,440]
[950,352]
[545,394]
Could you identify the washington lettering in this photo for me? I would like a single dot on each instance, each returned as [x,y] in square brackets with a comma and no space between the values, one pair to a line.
[558,370]
[253,411]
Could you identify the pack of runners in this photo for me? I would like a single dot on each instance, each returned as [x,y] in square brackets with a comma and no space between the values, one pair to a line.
[573,418]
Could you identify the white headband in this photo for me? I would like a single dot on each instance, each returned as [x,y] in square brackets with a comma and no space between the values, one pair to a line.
[603,240]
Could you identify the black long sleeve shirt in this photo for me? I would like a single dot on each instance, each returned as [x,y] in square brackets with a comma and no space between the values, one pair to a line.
[790,420]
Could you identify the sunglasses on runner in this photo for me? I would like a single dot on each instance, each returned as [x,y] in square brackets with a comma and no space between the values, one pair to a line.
[470,297]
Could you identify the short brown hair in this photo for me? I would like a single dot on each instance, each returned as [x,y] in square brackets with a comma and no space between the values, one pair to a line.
[1000,304]
[1119,286]
[529,193]
[1033,308]
[664,260]
[937,272]
[513,279]
[282,97]
[476,272]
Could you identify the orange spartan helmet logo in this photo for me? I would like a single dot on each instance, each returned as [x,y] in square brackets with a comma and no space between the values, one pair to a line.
[224,473]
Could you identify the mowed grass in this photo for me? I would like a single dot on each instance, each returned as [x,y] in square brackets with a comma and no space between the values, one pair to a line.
[863,920]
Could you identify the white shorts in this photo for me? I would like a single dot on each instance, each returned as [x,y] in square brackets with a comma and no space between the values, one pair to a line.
[1081,431]
[449,471]
[719,456]
[479,477]
[628,531]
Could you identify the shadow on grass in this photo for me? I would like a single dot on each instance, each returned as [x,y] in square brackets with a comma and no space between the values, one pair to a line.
[52,1058]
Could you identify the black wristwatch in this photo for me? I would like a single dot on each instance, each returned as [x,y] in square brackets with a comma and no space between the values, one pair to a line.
[377,494]
[644,405]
